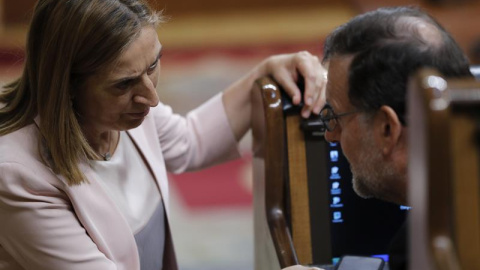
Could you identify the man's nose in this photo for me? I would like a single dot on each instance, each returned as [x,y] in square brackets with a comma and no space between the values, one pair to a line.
[330,136]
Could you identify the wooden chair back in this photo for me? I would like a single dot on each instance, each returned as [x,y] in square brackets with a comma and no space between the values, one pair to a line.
[444,190]
[281,193]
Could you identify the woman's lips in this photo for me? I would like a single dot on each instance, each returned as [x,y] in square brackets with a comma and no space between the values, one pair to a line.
[140,114]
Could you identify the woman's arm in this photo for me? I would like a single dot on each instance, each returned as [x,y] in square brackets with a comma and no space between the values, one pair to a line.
[208,134]
[286,70]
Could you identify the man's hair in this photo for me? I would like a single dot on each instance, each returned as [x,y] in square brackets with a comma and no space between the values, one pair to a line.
[387,46]
[68,41]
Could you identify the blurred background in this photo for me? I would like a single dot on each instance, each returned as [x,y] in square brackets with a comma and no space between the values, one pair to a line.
[209,44]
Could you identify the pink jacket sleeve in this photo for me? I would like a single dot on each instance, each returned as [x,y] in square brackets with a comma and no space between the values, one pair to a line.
[203,138]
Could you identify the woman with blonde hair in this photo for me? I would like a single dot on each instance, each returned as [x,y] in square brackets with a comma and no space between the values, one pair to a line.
[85,143]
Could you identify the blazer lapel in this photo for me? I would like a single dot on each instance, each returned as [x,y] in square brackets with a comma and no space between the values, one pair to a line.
[101,218]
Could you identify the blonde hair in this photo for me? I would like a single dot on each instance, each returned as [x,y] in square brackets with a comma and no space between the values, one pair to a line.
[68,41]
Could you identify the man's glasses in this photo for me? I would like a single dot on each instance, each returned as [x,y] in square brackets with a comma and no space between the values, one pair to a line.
[329,117]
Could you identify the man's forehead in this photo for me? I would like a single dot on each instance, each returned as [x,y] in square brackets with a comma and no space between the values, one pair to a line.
[337,85]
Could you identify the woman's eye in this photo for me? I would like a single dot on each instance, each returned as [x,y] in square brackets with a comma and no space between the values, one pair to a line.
[153,66]
[123,85]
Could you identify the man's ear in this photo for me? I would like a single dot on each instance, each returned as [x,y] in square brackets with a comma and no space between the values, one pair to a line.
[388,129]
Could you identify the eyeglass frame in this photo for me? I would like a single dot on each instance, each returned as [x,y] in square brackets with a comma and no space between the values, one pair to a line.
[326,120]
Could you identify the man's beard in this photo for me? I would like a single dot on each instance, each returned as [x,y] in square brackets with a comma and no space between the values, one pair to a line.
[372,176]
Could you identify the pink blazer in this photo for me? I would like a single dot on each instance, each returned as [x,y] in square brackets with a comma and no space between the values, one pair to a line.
[46,224]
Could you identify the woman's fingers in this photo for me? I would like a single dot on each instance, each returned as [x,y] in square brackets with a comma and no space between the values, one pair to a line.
[287,70]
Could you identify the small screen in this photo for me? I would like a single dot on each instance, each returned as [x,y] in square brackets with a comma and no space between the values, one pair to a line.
[358,226]
[343,223]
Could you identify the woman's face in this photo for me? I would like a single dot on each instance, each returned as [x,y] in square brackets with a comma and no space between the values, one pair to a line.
[119,97]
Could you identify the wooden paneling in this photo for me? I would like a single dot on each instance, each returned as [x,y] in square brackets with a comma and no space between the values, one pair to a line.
[176,7]
[19,11]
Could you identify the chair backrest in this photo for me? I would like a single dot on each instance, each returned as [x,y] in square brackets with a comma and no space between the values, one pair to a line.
[305,209]
[444,190]
[282,219]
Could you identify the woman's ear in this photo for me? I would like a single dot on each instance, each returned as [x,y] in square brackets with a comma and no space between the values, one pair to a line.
[387,129]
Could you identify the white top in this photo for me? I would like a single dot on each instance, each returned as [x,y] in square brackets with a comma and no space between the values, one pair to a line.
[129,183]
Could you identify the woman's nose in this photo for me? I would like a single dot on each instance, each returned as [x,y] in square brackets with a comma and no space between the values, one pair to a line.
[148,93]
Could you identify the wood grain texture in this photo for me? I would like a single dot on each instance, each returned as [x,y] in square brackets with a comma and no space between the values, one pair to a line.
[444,172]
[299,197]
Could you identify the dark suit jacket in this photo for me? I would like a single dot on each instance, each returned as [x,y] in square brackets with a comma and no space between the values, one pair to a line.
[398,255]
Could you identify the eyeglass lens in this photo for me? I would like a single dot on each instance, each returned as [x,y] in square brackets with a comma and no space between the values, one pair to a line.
[328,117]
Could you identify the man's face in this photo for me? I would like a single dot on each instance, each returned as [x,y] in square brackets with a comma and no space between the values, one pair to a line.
[355,134]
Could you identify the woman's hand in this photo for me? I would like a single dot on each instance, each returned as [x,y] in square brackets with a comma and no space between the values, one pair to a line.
[286,69]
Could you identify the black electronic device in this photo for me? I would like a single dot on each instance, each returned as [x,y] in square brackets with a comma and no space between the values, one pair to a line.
[360,263]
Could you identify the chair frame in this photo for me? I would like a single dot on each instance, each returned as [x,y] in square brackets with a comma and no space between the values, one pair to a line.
[443,172]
